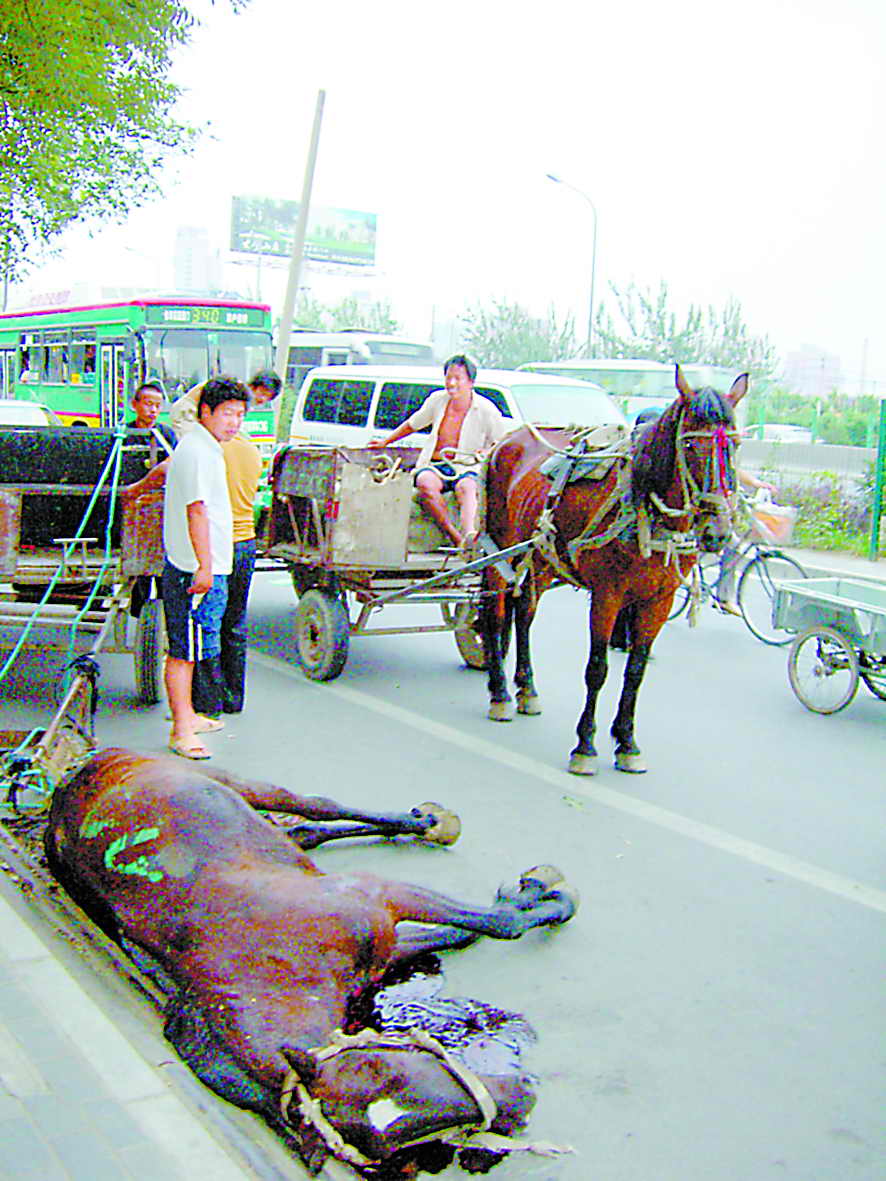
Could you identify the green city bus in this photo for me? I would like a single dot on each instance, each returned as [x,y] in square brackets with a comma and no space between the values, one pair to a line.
[84,363]
[636,385]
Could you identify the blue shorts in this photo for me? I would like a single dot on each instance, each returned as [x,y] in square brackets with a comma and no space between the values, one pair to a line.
[447,473]
[193,622]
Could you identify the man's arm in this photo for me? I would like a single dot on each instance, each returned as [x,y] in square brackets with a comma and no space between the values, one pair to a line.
[155,478]
[198,531]
[183,413]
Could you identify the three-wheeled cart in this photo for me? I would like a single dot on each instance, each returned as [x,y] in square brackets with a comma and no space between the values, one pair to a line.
[63,578]
[841,637]
[346,524]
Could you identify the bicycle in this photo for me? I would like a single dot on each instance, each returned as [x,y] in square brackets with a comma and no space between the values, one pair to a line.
[761,564]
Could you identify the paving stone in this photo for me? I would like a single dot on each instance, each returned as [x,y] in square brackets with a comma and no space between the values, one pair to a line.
[114,1124]
[148,1165]
[26,1155]
[69,1074]
[87,1158]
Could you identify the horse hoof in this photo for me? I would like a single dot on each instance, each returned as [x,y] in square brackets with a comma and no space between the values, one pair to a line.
[501,711]
[570,896]
[528,704]
[582,764]
[633,764]
[546,876]
[447,828]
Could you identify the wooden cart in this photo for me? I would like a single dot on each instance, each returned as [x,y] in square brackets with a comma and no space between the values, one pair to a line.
[56,581]
[346,523]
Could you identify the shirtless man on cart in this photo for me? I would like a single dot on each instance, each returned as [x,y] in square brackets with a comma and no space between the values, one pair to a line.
[464,427]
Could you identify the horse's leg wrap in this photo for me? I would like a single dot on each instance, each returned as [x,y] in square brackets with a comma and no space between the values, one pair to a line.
[627,753]
[583,759]
[494,616]
[527,699]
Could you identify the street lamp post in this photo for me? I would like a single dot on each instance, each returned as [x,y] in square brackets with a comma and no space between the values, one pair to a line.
[557,180]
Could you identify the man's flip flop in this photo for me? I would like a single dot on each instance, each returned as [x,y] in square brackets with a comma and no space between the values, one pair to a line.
[189,748]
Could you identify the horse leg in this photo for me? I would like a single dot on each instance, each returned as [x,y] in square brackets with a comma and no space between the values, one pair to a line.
[540,906]
[430,822]
[533,886]
[524,608]
[583,759]
[494,617]
[627,753]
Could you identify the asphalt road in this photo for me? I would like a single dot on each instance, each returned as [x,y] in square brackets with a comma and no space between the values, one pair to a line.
[715,1010]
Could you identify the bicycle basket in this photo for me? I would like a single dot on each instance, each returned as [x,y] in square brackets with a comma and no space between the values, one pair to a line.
[773,523]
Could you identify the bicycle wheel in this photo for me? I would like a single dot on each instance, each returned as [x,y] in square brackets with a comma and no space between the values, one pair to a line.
[756,594]
[823,670]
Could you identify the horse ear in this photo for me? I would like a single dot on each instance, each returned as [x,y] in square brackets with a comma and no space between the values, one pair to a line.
[302,1062]
[682,384]
[739,389]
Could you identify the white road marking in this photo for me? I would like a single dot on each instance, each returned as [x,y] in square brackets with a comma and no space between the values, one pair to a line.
[575,785]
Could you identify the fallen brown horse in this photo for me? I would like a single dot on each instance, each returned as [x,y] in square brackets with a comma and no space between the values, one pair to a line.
[630,538]
[265,954]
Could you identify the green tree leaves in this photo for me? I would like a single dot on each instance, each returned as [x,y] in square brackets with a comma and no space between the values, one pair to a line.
[505,335]
[85,113]
[648,329]
[347,313]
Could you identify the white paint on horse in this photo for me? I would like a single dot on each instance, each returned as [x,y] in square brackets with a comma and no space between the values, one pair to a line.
[384,1112]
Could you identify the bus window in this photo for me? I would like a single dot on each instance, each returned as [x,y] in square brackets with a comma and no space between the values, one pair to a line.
[241,352]
[178,357]
[83,351]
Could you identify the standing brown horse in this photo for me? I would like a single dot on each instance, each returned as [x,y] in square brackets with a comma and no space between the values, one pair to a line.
[630,539]
[263,954]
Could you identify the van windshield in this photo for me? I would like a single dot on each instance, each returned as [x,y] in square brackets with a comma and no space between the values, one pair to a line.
[553,405]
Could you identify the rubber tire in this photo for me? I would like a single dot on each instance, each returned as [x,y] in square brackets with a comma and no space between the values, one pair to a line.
[470,646]
[758,574]
[831,636]
[322,634]
[878,689]
[149,651]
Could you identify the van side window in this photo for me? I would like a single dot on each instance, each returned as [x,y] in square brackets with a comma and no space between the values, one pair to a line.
[344,402]
[397,401]
[496,397]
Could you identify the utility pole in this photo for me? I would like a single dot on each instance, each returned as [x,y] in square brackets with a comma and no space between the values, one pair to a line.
[298,250]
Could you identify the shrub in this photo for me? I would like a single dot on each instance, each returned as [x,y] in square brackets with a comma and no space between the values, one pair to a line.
[830,514]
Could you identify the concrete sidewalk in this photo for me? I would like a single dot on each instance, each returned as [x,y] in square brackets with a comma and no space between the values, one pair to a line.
[78,1101]
[823,563]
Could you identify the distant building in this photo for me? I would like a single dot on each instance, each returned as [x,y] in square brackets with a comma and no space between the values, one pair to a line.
[813,372]
[197,269]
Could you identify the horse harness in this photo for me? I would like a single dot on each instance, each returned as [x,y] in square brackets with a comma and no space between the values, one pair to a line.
[647,520]
[471,1134]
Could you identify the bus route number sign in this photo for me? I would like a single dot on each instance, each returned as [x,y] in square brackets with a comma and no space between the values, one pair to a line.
[192,317]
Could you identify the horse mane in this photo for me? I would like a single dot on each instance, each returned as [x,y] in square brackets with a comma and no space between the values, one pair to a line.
[652,465]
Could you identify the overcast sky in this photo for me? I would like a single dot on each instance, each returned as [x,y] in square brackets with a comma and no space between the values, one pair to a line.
[731,149]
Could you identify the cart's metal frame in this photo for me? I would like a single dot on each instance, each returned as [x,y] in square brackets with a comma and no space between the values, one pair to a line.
[841,637]
[50,587]
[343,522]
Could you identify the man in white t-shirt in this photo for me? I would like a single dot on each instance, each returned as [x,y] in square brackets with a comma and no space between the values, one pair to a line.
[199,546]
[464,428]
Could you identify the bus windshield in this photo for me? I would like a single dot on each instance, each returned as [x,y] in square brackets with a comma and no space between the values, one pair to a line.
[181,358]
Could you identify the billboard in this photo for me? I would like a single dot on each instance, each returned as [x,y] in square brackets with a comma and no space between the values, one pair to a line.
[262,225]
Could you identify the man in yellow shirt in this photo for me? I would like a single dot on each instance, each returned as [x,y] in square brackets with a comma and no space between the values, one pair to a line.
[219,684]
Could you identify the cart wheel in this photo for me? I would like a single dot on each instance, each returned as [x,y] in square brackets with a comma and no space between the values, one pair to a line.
[876,682]
[149,651]
[322,632]
[823,670]
[468,638]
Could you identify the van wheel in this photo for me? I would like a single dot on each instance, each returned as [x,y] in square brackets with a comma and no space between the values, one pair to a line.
[322,634]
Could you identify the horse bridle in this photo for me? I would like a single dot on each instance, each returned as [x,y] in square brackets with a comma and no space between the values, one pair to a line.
[311,1111]
[716,494]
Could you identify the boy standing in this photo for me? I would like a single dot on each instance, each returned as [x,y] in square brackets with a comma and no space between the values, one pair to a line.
[198,541]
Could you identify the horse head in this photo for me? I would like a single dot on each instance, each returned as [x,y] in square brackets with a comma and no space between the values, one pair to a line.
[373,1096]
[685,463]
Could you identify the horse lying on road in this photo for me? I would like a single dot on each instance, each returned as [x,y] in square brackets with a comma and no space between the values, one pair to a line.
[266,953]
[630,538]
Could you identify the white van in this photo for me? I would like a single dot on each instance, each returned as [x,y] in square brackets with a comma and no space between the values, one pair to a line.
[347,405]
